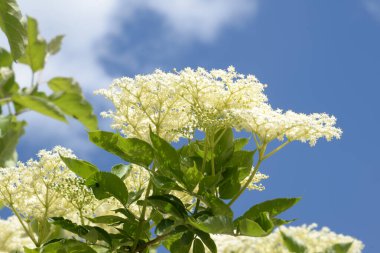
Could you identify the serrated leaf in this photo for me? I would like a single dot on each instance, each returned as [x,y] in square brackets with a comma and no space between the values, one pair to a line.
[10,23]
[36,48]
[198,246]
[64,84]
[240,143]
[293,245]
[214,224]
[132,150]
[10,132]
[183,244]
[166,157]
[67,246]
[191,177]
[340,248]
[262,226]
[121,170]
[274,207]
[69,98]
[168,204]
[164,226]
[105,184]
[41,105]
[8,85]
[77,107]
[5,58]
[207,240]
[218,207]
[108,219]
[82,168]
[54,45]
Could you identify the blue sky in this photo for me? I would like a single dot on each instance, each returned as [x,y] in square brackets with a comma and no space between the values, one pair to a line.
[315,56]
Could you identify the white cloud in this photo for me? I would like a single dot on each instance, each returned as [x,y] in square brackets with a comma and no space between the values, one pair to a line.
[87,23]
[197,19]
[373,7]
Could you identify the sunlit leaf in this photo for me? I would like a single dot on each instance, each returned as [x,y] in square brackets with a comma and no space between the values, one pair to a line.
[10,23]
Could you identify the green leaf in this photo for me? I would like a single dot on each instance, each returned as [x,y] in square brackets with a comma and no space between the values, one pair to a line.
[166,156]
[273,207]
[168,204]
[10,132]
[165,226]
[108,219]
[191,177]
[82,168]
[64,84]
[67,246]
[27,250]
[121,170]
[8,86]
[214,224]
[69,226]
[262,226]
[106,184]
[183,244]
[224,148]
[54,45]
[41,105]
[69,98]
[250,228]
[132,150]
[10,23]
[198,246]
[36,48]
[293,245]
[77,107]
[5,58]
[218,207]
[230,185]
[207,240]
[164,183]
[240,143]
[340,248]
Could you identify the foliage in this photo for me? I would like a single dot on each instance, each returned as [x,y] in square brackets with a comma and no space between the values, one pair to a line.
[162,195]
[28,47]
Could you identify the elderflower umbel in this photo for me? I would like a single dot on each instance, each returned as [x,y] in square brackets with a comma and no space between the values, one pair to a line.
[212,95]
[271,124]
[255,183]
[148,101]
[314,240]
[12,236]
[175,104]
[29,188]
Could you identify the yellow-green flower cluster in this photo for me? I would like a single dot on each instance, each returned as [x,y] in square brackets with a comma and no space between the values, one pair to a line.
[12,236]
[175,104]
[29,188]
[314,240]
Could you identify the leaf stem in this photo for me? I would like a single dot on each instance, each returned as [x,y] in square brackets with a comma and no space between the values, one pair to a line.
[276,149]
[142,218]
[23,225]
[256,168]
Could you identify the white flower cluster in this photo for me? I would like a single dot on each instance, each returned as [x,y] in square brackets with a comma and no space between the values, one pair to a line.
[29,188]
[314,240]
[47,188]
[271,124]
[255,184]
[12,236]
[175,104]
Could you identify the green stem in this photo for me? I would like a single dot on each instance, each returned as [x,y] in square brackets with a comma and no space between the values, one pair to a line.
[141,219]
[276,149]
[256,168]
[23,225]
[5,100]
